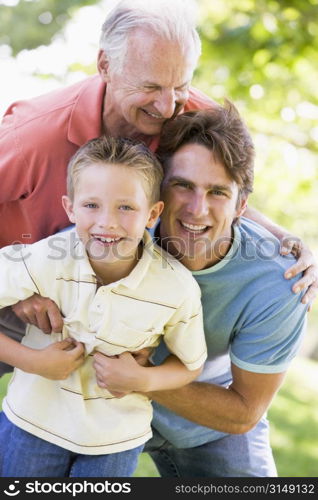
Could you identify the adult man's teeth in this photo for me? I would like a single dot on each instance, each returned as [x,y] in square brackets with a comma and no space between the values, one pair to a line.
[193,227]
[152,114]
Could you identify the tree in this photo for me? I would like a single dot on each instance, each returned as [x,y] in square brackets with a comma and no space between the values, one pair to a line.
[29,24]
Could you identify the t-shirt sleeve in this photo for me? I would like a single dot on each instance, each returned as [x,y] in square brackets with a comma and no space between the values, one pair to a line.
[271,333]
[17,281]
[184,334]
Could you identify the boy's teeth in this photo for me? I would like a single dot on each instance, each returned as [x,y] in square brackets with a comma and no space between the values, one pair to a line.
[109,240]
[193,227]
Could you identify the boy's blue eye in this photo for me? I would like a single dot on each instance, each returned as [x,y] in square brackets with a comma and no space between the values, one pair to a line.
[125,207]
[91,205]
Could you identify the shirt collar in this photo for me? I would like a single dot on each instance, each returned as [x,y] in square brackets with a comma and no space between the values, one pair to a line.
[133,279]
[86,118]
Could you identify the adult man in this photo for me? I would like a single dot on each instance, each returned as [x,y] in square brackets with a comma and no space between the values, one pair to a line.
[216,426]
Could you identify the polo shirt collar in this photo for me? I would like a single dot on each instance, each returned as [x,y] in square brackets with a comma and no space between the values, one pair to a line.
[136,276]
[86,271]
[86,117]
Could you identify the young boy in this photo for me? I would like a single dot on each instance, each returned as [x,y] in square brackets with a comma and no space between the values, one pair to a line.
[118,292]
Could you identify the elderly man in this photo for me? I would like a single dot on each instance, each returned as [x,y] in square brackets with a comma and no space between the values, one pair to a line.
[216,426]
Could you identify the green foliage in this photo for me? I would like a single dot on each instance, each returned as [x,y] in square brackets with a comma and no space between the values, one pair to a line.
[32,23]
[263,55]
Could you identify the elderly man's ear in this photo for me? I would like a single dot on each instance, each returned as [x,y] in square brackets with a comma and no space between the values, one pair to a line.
[103,65]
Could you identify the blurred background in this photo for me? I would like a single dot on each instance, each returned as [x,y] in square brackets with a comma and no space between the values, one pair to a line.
[263,55]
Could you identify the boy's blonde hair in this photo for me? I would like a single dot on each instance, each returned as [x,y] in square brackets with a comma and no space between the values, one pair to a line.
[118,151]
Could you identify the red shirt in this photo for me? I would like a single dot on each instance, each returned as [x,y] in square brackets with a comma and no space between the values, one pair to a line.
[37,139]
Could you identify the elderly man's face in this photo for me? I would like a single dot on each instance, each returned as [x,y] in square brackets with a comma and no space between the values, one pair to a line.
[201,202]
[152,86]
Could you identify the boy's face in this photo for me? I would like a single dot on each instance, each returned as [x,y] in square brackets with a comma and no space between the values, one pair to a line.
[111,211]
[201,202]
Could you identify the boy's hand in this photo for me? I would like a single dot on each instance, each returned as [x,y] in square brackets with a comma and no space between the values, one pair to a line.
[306,262]
[119,375]
[41,312]
[58,360]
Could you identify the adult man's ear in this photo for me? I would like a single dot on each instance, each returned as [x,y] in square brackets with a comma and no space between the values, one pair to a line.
[241,207]
[103,65]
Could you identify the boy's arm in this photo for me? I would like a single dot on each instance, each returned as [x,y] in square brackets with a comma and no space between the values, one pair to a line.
[292,244]
[123,374]
[54,362]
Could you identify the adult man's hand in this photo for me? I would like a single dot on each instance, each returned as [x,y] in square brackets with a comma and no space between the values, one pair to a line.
[41,312]
[289,243]
[306,263]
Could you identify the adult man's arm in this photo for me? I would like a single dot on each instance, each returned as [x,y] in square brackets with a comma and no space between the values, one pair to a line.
[292,244]
[235,409]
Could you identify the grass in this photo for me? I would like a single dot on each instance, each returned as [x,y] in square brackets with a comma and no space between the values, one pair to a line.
[294,424]
[294,421]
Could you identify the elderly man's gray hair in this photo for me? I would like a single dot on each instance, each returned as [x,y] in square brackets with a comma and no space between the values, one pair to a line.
[174,20]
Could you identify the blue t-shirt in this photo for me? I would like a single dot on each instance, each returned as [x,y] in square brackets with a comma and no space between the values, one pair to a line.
[251,318]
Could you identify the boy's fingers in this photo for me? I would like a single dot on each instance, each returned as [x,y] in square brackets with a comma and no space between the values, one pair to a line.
[66,343]
[78,350]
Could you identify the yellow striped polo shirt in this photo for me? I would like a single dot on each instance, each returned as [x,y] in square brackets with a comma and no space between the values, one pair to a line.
[159,299]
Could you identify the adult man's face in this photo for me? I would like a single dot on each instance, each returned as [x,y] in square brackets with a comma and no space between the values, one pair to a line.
[152,86]
[201,202]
